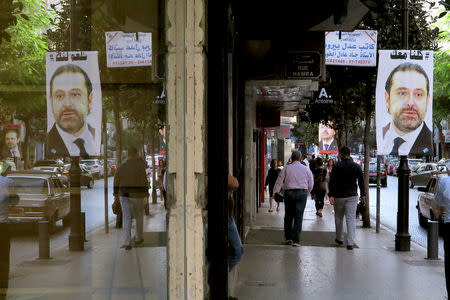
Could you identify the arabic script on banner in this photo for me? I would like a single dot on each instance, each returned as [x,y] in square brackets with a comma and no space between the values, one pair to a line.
[128,49]
[357,48]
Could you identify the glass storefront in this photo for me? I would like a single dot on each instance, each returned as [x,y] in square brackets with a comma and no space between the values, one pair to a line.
[82,88]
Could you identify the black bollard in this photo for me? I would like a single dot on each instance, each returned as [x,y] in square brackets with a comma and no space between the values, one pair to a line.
[44,240]
[432,240]
[83,225]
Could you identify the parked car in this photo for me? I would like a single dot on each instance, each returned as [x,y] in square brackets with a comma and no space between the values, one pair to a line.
[413,163]
[49,162]
[56,170]
[95,166]
[373,174]
[426,202]
[424,172]
[42,198]
[86,178]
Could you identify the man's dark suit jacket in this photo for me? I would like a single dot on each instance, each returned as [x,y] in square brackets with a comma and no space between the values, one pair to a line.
[56,147]
[423,141]
[332,147]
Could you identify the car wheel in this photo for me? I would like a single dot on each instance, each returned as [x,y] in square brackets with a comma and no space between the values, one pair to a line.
[90,184]
[411,184]
[422,220]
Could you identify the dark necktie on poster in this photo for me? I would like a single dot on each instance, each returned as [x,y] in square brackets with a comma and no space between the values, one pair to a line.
[326,147]
[398,141]
[80,143]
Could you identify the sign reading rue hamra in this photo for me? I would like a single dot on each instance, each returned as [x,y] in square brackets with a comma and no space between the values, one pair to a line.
[303,64]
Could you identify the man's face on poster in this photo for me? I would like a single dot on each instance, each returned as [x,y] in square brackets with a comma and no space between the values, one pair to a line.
[326,132]
[11,139]
[407,100]
[71,102]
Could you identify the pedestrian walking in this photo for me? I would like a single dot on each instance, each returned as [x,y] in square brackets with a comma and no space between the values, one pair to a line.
[319,188]
[271,178]
[329,168]
[131,187]
[343,195]
[297,182]
[305,160]
[234,240]
[280,165]
[443,201]
[7,197]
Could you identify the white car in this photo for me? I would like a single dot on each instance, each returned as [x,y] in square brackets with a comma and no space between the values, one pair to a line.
[94,166]
[56,170]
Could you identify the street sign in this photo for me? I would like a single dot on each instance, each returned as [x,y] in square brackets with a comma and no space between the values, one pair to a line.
[283,132]
[303,64]
[324,97]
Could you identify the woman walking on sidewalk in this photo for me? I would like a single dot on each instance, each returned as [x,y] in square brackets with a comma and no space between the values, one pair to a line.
[271,178]
[319,188]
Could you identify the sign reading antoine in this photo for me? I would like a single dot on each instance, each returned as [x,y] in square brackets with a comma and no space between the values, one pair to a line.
[404,102]
[74,107]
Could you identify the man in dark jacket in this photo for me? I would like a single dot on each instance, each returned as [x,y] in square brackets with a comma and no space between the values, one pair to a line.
[7,197]
[343,194]
[131,186]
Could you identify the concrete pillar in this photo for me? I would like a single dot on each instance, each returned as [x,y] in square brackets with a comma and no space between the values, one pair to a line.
[250,159]
[186,64]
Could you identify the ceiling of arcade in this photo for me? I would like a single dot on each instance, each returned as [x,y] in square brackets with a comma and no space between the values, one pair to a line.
[268,32]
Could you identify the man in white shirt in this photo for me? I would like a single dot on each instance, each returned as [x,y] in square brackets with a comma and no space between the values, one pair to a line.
[407,94]
[71,100]
[443,201]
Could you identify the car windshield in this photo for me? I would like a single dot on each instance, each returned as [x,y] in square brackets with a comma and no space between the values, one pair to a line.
[419,168]
[27,185]
[46,163]
[51,169]
[373,167]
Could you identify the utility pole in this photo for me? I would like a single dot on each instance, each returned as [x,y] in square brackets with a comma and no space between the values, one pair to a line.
[402,237]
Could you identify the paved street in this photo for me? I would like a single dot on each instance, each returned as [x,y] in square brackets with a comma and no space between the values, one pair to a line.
[24,244]
[388,211]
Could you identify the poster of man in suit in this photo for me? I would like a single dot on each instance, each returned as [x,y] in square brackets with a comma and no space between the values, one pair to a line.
[404,101]
[74,106]
[327,141]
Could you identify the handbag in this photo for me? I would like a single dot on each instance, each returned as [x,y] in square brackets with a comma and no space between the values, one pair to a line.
[116,207]
[361,207]
[323,182]
[278,197]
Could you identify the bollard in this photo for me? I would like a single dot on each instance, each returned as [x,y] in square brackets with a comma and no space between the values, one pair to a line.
[44,240]
[83,225]
[432,240]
